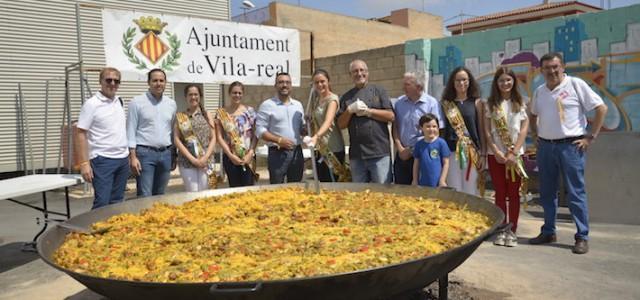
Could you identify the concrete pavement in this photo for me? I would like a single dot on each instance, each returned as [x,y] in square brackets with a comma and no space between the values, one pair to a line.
[611,270]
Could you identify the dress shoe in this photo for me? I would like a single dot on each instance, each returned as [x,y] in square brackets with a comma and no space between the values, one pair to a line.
[543,239]
[581,247]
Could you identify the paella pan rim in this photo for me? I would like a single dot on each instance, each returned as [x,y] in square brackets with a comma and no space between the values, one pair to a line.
[489,209]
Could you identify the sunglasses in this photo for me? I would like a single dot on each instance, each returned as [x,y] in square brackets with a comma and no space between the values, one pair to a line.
[111,80]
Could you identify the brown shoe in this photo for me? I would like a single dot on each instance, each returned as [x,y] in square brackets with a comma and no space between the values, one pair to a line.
[581,247]
[543,239]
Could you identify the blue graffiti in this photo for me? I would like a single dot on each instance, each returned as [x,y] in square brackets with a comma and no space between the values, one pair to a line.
[568,39]
[451,60]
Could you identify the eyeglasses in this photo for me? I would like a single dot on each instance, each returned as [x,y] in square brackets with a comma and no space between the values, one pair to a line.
[112,81]
[551,67]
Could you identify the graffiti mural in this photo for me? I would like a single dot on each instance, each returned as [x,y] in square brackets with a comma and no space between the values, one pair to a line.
[602,48]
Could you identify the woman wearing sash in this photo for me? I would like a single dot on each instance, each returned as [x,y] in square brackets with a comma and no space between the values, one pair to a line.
[326,135]
[195,137]
[235,130]
[506,126]
[462,110]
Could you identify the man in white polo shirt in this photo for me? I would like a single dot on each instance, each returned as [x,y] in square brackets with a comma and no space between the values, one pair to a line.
[560,106]
[102,131]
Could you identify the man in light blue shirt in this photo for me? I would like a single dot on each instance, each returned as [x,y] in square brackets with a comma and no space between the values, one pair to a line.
[414,104]
[280,123]
[149,132]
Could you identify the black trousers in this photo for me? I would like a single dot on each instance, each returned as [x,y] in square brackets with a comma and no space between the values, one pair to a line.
[324,174]
[238,176]
[402,170]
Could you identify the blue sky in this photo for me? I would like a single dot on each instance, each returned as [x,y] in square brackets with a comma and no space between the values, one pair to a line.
[448,9]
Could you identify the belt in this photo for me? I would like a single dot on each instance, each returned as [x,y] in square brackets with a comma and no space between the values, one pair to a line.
[157,149]
[282,149]
[563,140]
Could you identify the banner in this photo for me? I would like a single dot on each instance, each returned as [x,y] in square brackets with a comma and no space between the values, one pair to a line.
[198,50]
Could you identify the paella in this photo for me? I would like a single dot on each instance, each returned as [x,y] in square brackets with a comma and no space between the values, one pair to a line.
[269,235]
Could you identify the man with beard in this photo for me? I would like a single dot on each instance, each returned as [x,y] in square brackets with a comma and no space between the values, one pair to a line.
[280,122]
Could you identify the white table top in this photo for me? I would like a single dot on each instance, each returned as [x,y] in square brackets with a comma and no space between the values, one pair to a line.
[30,184]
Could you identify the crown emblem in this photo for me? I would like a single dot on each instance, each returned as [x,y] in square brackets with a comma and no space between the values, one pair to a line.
[150,23]
[153,45]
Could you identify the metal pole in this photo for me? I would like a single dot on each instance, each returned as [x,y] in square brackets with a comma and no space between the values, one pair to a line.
[26,122]
[64,115]
[67,102]
[23,158]
[312,148]
[46,126]
[79,36]
[223,174]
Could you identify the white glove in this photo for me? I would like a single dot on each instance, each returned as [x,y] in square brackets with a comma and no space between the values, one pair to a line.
[353,107]
[308,141]
[362,109]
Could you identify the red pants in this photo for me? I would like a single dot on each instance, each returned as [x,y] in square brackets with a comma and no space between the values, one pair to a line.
[506,188]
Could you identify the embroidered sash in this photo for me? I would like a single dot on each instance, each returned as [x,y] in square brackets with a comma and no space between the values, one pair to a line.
[195,146]
[466,151]
[499,119]
[238,148]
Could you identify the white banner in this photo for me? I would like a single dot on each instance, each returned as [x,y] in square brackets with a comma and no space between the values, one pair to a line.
[198,50]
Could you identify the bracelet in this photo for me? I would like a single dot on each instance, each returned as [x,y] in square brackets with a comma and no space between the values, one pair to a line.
[278,142]
[86,162]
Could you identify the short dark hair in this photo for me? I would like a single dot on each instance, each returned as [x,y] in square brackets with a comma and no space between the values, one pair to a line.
[428,118]
[281,74]
[550,56]
[156,70]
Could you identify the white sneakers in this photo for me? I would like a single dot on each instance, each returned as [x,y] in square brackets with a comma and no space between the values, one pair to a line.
[506,238]
[500,238]
[511,240]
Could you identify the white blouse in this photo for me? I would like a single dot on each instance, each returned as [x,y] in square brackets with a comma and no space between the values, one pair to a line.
[514,120]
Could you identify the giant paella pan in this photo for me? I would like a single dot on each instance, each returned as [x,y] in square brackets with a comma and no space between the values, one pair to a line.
[354,275]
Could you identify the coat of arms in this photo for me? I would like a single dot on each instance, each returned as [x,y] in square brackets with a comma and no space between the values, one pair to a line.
[151,45]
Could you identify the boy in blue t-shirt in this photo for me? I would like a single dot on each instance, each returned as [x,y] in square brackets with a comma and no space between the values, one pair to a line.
[431,155]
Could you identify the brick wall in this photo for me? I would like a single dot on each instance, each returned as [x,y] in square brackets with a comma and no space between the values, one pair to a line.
[386,67]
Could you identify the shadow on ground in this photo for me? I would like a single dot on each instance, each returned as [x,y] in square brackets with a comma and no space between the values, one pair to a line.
[86,294]
[12,256]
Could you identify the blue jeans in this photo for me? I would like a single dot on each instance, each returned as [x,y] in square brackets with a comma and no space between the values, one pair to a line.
[565,159]
[109,180]
[376,170]
[156,171]
[285,163]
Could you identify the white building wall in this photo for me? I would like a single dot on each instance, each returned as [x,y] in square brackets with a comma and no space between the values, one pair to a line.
[38,40]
